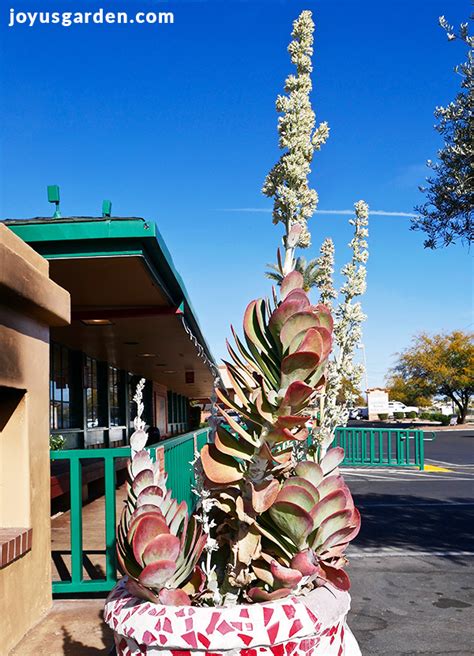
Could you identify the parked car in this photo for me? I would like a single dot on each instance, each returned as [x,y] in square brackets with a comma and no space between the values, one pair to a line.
[359,413]
[398,406]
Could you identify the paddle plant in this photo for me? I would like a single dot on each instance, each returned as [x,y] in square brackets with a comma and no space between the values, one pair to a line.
[282,522]
[158,545]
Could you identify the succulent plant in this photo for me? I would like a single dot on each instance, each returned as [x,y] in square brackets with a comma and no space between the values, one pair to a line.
[158,547]
[306,531]
[284,523]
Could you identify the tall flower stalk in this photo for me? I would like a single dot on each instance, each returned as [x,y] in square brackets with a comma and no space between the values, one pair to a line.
[348,318]
[287,183]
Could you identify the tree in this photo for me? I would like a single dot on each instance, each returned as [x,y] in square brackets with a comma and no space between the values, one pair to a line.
[402,390]
[440,364]
[309,271]
[448,213]
[348,393]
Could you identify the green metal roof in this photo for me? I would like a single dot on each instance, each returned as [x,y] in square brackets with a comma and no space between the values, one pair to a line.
[78,236]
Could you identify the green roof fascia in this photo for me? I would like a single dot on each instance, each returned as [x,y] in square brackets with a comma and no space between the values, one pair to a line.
[102,238]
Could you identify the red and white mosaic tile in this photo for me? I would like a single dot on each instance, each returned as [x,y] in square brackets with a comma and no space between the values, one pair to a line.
[287,627]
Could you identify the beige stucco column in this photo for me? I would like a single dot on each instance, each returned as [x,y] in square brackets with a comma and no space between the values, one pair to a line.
[29,304]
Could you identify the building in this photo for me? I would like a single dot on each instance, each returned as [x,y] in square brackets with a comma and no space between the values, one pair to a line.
[131,317]
[30,303]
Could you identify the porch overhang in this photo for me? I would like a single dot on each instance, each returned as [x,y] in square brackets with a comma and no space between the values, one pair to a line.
[129,305]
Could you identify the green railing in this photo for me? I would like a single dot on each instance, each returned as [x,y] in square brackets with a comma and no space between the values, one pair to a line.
[178,452]
[381,447]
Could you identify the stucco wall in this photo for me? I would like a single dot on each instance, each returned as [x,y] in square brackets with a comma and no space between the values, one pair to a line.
[29,303]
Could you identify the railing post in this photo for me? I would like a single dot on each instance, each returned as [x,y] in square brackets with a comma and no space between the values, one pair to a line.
[421,442]
[75,491]
[110,519]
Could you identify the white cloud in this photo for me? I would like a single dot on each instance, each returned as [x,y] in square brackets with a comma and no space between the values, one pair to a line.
[267,210]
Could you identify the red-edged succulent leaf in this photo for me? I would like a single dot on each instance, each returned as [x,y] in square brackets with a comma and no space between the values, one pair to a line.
[334,540]
[298,366]
[196,582]
[277,435]
[140,462]
[285,577]
[138,440]
[264,494]
[142,480]
[335,522]
[331,504]
[337,577]
[155,515]
[324,316]
[326,336]
[141,510]
[219,467]
[232,446]
[332,459]
[157,574]
[304,483]
[330,484]
[311,472]
[258,594]
[147,527]
[174,597]
[297,324]
[305,562]
[313,342]
[292,520]
[284,311]
[296,395]
[140,591]
[297,294]
[235,426]
[163,547]
[252,328]
[151,495]
[179,519]
[297,495]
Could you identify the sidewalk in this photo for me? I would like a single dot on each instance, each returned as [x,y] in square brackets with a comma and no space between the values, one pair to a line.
[73,627]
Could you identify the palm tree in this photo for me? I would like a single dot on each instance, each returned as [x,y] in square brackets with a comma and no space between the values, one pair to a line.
[309,271]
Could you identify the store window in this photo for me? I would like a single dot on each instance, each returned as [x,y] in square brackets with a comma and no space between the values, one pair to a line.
[116,397]
[61,395]
[92,392]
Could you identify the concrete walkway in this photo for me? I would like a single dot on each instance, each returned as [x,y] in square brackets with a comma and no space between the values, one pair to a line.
[74,627]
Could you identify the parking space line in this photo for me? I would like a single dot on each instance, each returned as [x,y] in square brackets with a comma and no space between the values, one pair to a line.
[406,553]
[429,504]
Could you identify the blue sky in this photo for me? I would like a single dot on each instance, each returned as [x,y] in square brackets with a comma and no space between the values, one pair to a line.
[176,123]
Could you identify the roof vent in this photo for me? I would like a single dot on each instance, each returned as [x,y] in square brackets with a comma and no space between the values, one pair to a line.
[53,197]
[106,208]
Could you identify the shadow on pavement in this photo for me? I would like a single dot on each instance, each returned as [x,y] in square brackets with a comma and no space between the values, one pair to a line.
[415,523]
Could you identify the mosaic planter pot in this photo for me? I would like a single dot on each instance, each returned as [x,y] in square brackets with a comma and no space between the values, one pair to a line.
[313,625]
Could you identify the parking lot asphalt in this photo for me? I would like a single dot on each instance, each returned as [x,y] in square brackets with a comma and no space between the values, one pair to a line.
[412,565]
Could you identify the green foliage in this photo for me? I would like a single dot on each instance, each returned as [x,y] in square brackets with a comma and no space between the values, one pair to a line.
[399,415]
[442,365]
[349,391]
[406,391]
[383,416]
[447,216]
[309,271]
[56,442]
[411,415]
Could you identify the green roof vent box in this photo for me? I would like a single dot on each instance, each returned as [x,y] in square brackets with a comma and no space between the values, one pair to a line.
[53,197]
[106,208]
